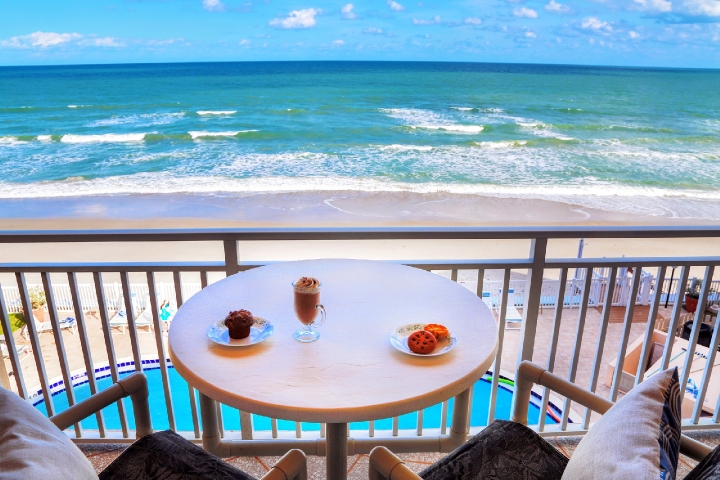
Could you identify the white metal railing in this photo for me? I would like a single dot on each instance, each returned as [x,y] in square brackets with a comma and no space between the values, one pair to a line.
[550,288]
[602,282]
[113,295]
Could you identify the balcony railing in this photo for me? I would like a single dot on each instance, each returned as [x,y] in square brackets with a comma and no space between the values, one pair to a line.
[578,343]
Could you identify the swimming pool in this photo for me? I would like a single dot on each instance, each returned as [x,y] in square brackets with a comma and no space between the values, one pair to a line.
[231,417]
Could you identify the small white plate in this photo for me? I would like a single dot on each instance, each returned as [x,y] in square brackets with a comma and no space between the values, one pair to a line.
[399,338]
[261,330]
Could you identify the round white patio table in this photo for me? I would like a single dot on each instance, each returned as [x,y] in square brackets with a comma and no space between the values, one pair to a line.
[351,373]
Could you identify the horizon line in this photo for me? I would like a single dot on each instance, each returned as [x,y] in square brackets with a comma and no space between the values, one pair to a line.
[587,65]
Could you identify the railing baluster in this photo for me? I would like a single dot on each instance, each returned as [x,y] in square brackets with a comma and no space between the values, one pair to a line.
[454,274]
[371,428]
[298,430]
[85,345]
[161,348]
[707,372]
[60,345]
[323,427]
[109,346]
[697,322]
[420,415]
[130,314]
[627,326]
[559,303]
[677,310]
[602,334]
[395,426]
[498,355]
[533,293]
[177,284]
[35,342]
[480,281]
[246,426]
[203,279]
[12,352]
[273,427]
[582,314]
[652,318]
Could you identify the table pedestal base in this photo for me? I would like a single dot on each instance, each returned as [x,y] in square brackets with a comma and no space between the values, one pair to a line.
[336,461]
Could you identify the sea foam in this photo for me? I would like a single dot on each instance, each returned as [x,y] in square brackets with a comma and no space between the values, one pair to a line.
[416,118]
[201,134]
[216,112]
[104,138]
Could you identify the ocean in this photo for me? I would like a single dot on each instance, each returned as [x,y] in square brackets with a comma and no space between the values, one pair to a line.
[617,139]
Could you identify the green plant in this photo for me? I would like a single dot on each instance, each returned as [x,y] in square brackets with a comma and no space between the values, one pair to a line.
[37,297]
[17,321]
[693,290]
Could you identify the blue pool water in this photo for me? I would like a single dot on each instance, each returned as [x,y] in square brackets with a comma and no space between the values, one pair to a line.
[231,417]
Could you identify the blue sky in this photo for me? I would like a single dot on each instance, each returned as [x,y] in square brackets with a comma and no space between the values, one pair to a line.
[674,33]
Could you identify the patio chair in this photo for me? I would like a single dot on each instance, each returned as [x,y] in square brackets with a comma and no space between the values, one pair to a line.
[120,319]
[19,349]
[509,449]
[40,327]
[33,446]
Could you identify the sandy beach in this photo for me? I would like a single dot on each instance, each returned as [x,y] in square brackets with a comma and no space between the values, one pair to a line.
[323,209]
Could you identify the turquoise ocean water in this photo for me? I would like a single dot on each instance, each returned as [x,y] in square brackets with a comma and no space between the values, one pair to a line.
[620,139]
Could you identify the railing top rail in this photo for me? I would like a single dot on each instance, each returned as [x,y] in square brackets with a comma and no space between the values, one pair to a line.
[354,233]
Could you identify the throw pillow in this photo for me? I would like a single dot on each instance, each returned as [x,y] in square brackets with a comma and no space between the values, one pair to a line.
[638,438]
[31,446]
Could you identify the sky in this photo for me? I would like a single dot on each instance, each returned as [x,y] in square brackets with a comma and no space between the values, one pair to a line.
[664,33]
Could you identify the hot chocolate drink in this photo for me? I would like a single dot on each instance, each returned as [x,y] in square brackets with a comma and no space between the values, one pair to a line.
[306,293]
[307,297]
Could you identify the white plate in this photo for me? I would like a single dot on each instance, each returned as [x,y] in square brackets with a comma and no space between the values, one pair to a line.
[261,330]
[399,338]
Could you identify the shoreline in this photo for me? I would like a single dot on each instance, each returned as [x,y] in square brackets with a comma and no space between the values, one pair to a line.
[311,209]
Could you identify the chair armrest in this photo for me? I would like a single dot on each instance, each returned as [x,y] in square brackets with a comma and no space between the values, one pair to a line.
[384,465]
[292,466]
[134,386]
[528,374]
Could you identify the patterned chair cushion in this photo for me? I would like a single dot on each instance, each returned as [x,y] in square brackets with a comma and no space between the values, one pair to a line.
[168,456]
[708,468]
[504,450]
[638,438]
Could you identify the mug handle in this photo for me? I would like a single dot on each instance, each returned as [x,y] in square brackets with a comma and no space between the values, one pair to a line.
[322,316]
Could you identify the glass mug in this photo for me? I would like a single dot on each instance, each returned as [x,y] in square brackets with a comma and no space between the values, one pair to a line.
[307,305]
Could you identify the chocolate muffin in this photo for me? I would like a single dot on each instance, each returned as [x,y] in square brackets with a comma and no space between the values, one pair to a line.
[239,323]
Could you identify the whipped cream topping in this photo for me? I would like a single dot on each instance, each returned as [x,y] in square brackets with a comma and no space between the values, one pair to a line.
[306,284]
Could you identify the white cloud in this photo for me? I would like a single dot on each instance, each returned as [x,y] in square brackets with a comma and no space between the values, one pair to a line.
[657,5]
[373,31]
[244,42]
[213,5]
[524,12]
[394,6]
[434,21]
[296,19]
[633,34]
[530,34]
[347,12]
[338,43]
[594,23]
[472,21]
[101,42]
[555,7]
[40,39]
[710,8]
[162,43]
